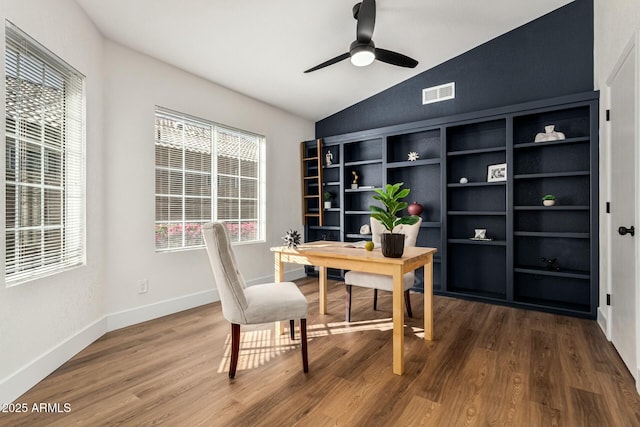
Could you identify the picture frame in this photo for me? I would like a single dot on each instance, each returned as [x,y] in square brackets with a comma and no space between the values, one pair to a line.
[497,172]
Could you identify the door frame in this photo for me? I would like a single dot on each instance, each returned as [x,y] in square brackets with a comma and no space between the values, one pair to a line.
[633,44]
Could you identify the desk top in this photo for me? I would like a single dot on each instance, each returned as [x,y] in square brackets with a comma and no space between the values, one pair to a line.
[346,250]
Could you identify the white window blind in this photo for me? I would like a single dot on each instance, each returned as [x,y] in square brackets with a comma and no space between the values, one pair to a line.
[189,152]
[45,227]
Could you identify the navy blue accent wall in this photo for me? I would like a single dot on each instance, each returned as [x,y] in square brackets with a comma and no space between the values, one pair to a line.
[548,57]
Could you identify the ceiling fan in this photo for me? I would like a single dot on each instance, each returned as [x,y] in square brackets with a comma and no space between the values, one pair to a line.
[362,51]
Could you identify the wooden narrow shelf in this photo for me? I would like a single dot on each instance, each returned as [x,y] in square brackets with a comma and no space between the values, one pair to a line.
[552,208]
[477,184]
[553,235]
[477,151]
[309,159]
[407,163]
[551,175]
[477,213]
[311,178]
[478,242]
[542,271]
[565,141]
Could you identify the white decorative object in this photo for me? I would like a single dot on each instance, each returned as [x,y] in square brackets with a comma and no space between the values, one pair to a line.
[548,202]
[365,229]
[480,233]
[413,156]
[328,158]
[354,184]
[549,134]
[463,180]
[327,204]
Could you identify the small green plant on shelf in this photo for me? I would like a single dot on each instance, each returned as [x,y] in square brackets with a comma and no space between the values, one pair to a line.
[327,196]
[549,200]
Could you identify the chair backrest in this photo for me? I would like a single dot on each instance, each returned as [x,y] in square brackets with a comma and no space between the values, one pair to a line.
[227,277]
[410,232]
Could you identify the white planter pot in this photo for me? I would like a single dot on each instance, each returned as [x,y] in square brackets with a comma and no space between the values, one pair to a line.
[548,202]
[327,205]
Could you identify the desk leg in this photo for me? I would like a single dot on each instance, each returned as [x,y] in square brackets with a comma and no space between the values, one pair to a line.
[279,277]
[398,322]
[428,300]
[322,284]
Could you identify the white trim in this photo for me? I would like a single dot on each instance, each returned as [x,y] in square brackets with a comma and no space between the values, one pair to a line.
[19,382]
[603,316]
[36,370]
[124,318]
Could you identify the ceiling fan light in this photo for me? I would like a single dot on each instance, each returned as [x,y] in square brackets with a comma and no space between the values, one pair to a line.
[362,56]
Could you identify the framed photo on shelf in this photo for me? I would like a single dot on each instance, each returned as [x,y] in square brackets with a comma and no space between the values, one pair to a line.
[497,172]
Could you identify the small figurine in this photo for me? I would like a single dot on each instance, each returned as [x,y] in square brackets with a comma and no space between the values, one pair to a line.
[549,134]
[328,158]
[354,184]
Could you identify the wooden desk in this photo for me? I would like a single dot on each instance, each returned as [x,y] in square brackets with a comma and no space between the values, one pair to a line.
[325,254]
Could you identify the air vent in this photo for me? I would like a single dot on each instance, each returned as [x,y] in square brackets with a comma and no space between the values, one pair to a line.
[438,93]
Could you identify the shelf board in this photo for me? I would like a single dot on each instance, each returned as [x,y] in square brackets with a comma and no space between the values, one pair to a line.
[360,189]
[477,151]
[406,163]
[331,183]
[551,175]
[311,177]
[549,234]
[478,242]
[477,213]
[552,143]
[308,159]
[325,227]
[431,224]
[332,210]
[357,212]
[543,271]
[333,166]
[551,208]
[476,184]
[363,162]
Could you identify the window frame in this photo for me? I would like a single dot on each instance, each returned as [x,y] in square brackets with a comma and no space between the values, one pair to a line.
[214,177]
[29,259]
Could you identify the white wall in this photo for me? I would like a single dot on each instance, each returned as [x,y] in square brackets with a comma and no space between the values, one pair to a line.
[44,322]
[134,85]
[615,23]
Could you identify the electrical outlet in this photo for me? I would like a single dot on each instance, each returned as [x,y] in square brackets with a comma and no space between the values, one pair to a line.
[143,286]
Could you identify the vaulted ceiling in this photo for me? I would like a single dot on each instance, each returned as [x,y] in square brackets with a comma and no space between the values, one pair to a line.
[261,48]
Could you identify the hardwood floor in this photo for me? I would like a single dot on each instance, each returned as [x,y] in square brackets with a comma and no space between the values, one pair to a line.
[489,365]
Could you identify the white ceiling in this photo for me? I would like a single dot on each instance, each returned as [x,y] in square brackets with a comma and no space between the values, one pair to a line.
[261,47]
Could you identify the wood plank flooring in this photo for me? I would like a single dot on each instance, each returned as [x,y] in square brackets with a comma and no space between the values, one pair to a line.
[489,365]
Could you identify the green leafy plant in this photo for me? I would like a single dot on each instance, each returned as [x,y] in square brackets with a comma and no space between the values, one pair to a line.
[390,198]
[549,197]
[327,196]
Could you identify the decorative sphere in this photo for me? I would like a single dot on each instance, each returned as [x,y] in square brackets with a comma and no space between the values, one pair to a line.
[463,180]
[414,208]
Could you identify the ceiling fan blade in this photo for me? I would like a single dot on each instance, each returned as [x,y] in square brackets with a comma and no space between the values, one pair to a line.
[395,58]
[366,21]
[329,62]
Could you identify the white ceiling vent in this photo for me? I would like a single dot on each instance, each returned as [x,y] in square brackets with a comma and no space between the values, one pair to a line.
[438,93]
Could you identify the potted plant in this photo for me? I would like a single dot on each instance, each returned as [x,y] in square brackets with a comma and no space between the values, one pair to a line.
[549,200]
[392,243]
[327,196]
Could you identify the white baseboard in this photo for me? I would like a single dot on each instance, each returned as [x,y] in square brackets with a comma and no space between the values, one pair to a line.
[18,383]
[603,322]
[143,313]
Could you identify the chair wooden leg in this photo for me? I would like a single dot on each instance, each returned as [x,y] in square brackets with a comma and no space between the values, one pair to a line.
[348,303]
[303,338]
[407,302]
[375,299]
[235,348]
[292,329]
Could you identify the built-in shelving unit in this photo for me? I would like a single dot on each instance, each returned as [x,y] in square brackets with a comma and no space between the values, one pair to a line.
[508,267]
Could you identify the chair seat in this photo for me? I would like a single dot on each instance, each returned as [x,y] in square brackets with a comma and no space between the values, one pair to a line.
[272,302]
[376,281]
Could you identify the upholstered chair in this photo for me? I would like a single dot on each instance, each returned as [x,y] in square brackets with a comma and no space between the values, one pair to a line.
[381,281]
[250,305]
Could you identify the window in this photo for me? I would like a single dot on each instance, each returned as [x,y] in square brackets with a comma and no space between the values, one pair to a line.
[189,154]
[44,138]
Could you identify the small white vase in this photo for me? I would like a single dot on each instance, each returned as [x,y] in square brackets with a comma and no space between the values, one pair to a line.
[548,202]
[327,205]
